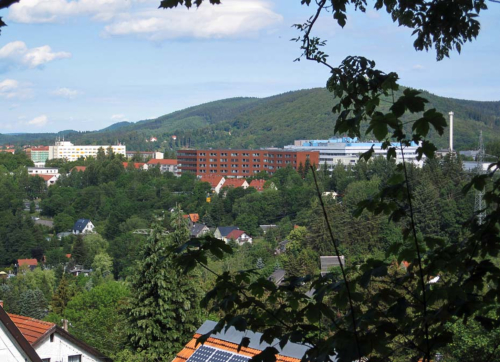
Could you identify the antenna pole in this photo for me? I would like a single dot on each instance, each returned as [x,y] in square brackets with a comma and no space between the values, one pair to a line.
[479,203]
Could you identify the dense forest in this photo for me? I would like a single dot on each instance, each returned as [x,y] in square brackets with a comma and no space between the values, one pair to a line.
[273,121]
[121,200]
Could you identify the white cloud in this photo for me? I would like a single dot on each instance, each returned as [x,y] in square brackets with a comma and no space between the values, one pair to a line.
[50,11]
[66,93]
[119,117]
[235,18]
[418,67]
[12,89]
[17,53]
[39,121]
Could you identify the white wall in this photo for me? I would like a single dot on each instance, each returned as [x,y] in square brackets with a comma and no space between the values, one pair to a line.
[9,349]
[61,349]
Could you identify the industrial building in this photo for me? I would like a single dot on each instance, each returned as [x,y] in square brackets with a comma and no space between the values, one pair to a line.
[242,163]
[347,150]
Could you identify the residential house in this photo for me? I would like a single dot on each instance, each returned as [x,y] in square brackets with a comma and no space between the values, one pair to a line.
[259,185]
[78,169]
[165,165]
[199,230]
[215,181]
[43,171]
[30,263]
[281,247]
[53,343]
[14,347]
[222,232]
[330,194]
[236,182]
[79,270]
[49,179]
[83,226]
[192,218]
[137,165]
[266,228]
[277,277]
[144,155]
[328,262]
[225,346]
[239,236]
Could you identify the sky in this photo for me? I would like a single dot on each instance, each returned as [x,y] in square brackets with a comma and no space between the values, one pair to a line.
[86,64]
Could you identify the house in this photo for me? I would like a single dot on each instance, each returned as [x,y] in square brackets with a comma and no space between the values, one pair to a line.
[239,236]
[53,343]
[236,182]
[199,230]
[328,262]
[30,263]
[49,179]
[259,185]
[266,228]
[83,226]
[14,347]
[192,218]
[137,165]
[215,181]
[79,270]
[225,346]
[281,247]
[165,165]
[277,277]
[78,169]
[223,231]
[330,194]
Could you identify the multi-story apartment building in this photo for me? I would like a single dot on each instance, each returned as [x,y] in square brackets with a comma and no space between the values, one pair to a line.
[66,150]
[242,163]
[38,154]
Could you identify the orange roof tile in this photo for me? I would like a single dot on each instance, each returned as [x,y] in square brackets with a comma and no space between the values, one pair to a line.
[45,177]
[235,234]
[213,180]
[136,164]
[234,182]
[162,162]
[78,168]
[258,184]
[32,262]
[32,329]
[191,347]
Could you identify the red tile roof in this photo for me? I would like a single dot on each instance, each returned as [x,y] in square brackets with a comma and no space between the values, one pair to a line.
[32,329]
[78,168]
[213,180]
[31,262]
[193,217]
[136,164]
[162,162]
[258,184]
[234,182]
[45,177]
[188,351]
[41,148]
[235,234]
[8,151]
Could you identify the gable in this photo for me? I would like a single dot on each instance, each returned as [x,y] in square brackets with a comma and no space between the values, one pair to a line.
[13,346]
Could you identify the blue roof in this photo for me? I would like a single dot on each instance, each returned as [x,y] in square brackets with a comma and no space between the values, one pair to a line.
[80,224]
[225,230]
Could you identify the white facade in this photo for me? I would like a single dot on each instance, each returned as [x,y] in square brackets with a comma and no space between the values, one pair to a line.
[10,351]
[43,171]
[347,150]
[57,348]
[88,229]
[66,150]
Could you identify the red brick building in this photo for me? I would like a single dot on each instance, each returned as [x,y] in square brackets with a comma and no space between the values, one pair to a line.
[241,163]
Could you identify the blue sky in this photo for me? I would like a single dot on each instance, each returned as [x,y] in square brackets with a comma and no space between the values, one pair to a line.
[86,64]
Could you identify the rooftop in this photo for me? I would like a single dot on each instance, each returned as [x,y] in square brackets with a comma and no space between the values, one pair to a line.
[32,329]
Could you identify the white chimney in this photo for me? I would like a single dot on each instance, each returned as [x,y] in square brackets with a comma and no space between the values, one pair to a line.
[451,131]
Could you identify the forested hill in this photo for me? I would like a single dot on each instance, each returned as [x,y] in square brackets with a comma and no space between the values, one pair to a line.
[272,121]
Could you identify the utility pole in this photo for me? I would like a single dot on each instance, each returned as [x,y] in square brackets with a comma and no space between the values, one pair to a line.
[479,204]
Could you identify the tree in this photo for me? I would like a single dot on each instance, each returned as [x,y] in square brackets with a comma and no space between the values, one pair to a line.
[395,317]
[33,304]
[165,309]
[62,296]
[79,252]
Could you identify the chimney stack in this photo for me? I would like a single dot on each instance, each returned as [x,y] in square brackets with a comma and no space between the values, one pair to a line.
[451,131]
[65,324]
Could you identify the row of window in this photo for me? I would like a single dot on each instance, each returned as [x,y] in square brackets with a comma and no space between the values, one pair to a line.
[77,358]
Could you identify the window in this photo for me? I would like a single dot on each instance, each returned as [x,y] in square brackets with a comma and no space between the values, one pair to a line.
[75,358]
[213,154]
[52,337]
[234,154]
[245,154]
[45,359]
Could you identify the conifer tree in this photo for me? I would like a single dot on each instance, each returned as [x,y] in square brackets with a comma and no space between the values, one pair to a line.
[79,253]
[164,312]
[33,304]
[62,296]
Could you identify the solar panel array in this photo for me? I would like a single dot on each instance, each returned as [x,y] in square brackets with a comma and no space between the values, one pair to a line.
[209,354]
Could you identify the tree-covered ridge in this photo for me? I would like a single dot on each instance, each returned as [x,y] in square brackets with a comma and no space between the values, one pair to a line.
[272,121]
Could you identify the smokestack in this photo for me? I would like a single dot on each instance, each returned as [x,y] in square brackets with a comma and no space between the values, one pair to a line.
[451,131]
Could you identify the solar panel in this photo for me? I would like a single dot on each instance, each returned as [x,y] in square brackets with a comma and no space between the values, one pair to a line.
[202,354]
[237,358]
[209,354]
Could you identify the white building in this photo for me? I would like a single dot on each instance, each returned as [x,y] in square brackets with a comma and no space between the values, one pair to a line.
[43,171]
[347,150]
[83,226]
[67,150]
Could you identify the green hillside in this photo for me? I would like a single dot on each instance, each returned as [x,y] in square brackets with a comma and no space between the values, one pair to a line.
[273,121]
